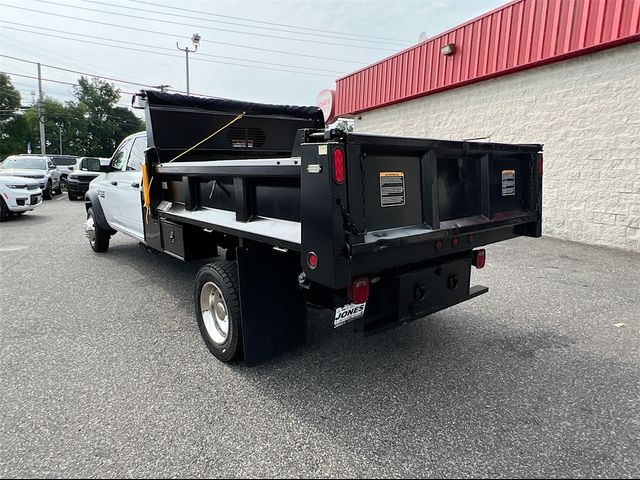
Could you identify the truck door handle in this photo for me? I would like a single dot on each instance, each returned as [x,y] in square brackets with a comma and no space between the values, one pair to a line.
[114,183]
[135,185]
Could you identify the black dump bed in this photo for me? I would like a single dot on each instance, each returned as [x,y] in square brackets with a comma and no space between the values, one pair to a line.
[176,122]
[268,174]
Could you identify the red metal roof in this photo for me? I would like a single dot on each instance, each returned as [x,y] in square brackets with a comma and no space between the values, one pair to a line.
[522,34]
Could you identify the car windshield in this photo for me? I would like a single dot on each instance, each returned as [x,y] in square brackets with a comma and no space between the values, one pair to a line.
[64,161]
[28,163]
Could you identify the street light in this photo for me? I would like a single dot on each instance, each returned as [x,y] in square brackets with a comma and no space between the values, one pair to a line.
[195,40]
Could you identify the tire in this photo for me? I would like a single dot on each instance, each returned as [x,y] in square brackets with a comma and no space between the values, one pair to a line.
[59,189]
[47,192]
[98,237]
[4,210]
[219,278]
[73,198]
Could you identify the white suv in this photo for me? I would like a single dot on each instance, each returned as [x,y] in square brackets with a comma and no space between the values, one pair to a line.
[39,167]
[18,195]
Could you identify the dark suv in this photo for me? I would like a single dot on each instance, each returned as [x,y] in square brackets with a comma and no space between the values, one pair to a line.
[85,170]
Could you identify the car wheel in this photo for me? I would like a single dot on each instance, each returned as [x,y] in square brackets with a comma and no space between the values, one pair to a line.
[217,305]
[62,183]
[47,193]
[71,197]
[98,237]
[4,210]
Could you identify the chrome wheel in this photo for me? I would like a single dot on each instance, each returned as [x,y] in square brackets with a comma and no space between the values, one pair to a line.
[214,313]
[90,231]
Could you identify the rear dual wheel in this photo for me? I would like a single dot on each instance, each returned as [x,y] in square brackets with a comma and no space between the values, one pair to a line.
[217,303]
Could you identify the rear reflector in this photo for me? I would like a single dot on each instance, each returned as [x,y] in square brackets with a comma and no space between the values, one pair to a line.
[338,166]
[360,290]
[479,258]
[540,163]
[312,260]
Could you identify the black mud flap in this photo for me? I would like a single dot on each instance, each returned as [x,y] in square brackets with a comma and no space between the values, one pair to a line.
[272,307]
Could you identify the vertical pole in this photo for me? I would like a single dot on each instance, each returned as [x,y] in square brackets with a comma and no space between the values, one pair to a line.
[187,56]
[60,139]
[43,139]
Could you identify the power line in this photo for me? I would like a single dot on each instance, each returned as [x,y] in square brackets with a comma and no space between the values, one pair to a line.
[137,44]
[393,43]
[292,39]
[168,55]
[76,71]
[265,23]
[173,36]
[39,49]
[54,81]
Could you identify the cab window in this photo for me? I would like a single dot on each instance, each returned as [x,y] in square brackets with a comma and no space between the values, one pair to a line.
[136,158]
[120,156]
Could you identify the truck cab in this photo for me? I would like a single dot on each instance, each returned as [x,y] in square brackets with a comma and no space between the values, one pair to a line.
[118,190]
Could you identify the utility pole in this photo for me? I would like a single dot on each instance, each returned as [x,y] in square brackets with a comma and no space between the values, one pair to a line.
[43,138]
[195,39]
[60,127]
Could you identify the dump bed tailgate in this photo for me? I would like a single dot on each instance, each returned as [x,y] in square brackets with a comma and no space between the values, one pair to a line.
[406,200]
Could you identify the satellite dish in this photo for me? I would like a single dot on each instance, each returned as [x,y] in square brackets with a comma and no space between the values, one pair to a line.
[422,37]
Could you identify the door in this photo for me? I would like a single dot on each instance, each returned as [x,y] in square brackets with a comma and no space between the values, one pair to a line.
[108,185]
[130,189]
[55,174]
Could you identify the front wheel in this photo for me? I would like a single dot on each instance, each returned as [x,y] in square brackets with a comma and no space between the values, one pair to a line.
[60,185]
[98,237]
[47,193]
[217,303]
[71,196]
[4,210]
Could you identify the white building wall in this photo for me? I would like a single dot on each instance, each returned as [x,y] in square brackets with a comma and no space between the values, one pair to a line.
[586,112]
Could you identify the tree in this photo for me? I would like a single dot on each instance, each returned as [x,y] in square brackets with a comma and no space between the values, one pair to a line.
[105,123]
[13,126]
[91,125]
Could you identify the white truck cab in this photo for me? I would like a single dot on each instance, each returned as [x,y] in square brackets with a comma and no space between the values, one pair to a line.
[18,195]
[118,190]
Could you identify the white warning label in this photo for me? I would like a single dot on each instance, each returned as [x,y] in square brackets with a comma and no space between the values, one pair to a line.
[508,182]
[392,189]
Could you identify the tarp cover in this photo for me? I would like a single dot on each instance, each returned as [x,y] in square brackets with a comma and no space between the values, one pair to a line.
[156,98]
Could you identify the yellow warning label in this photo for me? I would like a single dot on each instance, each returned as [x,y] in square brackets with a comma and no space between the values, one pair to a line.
[392,189]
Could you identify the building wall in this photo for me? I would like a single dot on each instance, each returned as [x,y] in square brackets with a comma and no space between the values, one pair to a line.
[586,112]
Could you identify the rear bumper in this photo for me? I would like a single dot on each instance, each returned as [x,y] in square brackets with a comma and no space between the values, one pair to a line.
[420,291]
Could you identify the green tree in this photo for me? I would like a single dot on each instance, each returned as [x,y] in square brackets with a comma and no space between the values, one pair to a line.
[13,126]
[105,123]
[92,124]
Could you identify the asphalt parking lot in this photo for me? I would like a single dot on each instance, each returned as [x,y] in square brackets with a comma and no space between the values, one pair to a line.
[103,372]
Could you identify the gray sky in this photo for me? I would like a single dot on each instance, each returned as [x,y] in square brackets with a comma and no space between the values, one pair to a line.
[401,20]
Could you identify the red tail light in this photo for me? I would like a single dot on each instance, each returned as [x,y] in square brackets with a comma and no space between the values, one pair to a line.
[360,290]
[540,163]
[312,260]
[479,258]
[338,166]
